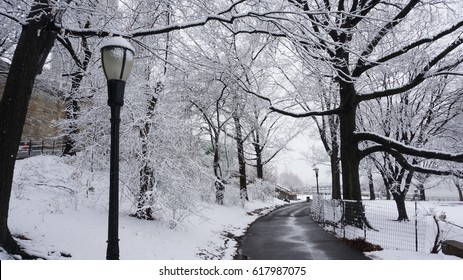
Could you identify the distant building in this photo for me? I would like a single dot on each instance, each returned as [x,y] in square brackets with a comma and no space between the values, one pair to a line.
[45,108]
[285,193]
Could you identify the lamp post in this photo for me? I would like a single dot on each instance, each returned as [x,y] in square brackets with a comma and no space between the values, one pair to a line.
[117,58]
[316,176]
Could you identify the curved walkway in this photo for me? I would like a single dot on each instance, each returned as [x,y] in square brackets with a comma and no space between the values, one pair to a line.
[289,233]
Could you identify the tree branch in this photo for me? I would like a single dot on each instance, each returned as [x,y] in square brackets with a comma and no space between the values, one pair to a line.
[404,149]
[385,30]
[418,79]
[411,167]
[361,67]
[306,114]
[160,30]
[13,18]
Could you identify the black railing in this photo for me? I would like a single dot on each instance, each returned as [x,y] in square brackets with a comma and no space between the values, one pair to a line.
[33,148]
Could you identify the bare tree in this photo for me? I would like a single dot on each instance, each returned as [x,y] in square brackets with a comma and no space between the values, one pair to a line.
[37,38]
[352,41]
[40,28]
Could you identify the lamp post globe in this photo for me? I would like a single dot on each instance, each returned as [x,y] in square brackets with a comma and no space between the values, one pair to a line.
[117,59]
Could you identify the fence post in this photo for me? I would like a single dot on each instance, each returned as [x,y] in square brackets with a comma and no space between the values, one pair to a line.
[323,212]
[416,226]
[53,148]
[42,146]
[29,151]
[343,219]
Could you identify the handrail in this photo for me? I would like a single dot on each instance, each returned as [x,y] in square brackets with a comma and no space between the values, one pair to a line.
[46,147]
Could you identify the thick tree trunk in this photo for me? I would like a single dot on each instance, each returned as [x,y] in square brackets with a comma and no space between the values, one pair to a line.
[241,159]
[371,185]
[145,194]
[147,176]
[388,194]
[354,211]
[259,164]
[34,45]
[219,183]
[335,172]
[399,199]
[349,145]
[387,187]
[72,110]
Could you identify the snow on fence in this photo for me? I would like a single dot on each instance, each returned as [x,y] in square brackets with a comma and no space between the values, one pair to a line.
[33,148]
[373,221]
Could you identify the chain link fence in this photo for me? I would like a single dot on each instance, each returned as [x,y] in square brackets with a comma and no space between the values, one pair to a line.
[373,221]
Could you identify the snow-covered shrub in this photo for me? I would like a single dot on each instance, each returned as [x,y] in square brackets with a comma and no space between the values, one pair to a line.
[261,190]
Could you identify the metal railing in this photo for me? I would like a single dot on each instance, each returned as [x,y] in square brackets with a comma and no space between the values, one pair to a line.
[33,148]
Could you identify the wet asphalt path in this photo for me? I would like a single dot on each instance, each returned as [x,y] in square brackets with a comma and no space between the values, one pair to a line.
[289,233]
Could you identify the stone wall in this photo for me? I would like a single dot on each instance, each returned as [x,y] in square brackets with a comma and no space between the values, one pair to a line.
[45,108]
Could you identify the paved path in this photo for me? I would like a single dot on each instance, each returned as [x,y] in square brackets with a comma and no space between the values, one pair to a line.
[289,233]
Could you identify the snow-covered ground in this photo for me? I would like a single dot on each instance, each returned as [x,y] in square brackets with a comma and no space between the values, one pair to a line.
[54,220]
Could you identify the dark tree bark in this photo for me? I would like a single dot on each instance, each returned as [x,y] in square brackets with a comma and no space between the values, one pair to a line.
[241,159]
[399,197]
[371,185]
[259,162]
[147,176]
[400,203]
[35,43]
[335,172]
[219,184]
[350,157]
[459,190]
[422,192]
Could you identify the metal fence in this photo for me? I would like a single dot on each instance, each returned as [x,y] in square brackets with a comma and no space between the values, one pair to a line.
[47,147]
[372,221]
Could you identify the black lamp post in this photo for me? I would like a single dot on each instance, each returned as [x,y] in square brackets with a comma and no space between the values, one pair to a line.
[117,58]
[316,176]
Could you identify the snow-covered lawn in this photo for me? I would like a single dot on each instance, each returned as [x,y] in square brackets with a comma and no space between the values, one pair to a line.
[412,239]
[54,218]
[60,212]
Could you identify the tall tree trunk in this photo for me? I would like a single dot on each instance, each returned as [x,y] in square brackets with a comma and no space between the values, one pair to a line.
[145,193]
[35,43]
[219,184]
[459,190]
[399,199]
[371,185]
[349,145]
[354,213]
[241,159]
[147,177]
[72,110]
[422,192]
[259,164]
[335,172]
[72,102]
[387,186]
[388,194]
